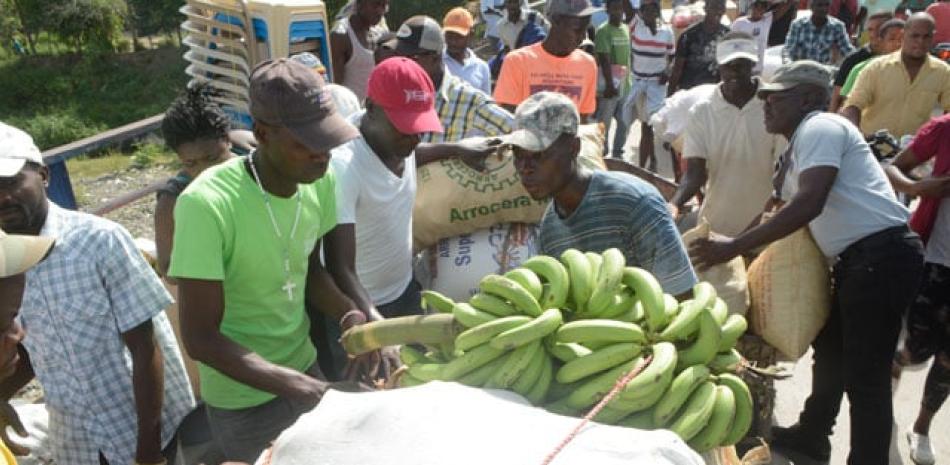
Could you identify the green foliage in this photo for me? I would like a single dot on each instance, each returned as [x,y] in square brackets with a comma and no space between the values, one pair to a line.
[400,10]
[61,99]
[94,23]
[147,154]
[150,17]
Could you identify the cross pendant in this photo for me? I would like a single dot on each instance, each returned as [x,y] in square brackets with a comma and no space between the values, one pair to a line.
[289,287]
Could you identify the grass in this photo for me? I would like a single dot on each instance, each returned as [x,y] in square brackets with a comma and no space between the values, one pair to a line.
[59,99]
[84,169]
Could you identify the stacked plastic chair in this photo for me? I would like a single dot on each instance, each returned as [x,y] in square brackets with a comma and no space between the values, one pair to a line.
[226,38]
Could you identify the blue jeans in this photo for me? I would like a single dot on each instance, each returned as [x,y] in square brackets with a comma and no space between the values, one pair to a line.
[609,109]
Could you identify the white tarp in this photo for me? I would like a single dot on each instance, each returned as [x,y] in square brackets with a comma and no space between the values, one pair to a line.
[439,423]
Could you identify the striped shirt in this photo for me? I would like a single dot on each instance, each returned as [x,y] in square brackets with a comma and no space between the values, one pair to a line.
[619,210]
[94,286]
[806,41]
[465,112]
[650,51]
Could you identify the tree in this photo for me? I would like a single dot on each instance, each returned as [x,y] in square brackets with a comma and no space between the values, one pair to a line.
[149,17]
[96,23]
[28,17]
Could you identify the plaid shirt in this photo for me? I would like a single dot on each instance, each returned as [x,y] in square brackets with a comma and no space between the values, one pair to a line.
[94,286]
[465,112]
[806,41]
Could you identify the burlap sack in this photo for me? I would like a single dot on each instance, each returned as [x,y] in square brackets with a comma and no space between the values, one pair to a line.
[453,199]
[790,290]
[728,278]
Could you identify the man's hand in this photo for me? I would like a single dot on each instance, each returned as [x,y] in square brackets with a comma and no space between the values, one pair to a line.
[371,366]
[712,251]
[474,151]
[610,92]
[937,187]
[663,79]
[9,418]
[307,389]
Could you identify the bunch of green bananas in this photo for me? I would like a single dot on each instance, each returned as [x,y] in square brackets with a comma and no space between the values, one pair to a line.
[562,333]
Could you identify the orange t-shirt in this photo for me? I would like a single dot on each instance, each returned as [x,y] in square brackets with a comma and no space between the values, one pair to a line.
[531,69]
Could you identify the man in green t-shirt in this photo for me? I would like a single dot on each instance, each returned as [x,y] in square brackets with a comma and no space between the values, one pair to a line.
[612,46]
[246,256]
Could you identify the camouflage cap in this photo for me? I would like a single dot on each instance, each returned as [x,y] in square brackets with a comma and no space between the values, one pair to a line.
[541,119]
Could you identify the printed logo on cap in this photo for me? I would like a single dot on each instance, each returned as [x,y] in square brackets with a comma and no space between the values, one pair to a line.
[417,95]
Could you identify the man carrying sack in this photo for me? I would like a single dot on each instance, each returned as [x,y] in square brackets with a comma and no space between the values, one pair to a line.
[830,181]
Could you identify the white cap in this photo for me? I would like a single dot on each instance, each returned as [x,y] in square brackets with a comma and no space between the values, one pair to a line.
[734,49]
[16,148]
[20,253]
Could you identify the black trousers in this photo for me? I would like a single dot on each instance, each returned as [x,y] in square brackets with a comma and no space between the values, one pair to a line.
[874,282]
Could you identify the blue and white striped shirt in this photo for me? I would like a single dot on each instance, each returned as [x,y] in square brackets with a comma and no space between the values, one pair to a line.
[94,286]
[622,211]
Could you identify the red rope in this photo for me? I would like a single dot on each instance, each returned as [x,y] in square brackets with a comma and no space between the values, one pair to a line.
[597,408]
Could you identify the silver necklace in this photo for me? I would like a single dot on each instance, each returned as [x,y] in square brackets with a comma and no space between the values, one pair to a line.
[289,285]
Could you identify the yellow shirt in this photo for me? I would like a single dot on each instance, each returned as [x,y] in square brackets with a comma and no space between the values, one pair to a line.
[889,100]
[6,457]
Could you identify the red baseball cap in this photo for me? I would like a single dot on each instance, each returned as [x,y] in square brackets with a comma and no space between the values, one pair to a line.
[407,95]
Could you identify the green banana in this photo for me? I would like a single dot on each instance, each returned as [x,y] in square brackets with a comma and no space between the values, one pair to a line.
[639,420]
[409,355]
[407,380]
[743,417]
[597,345]
[437,301]
[595,261]
[696,412]
[734,327]
[595,388]
[623,302]
[567,351]
[529,377]
[491,304]
[717,428]
[531,331]
[560,391]
[597,361]
[686,322]
[703,350]
[561,407]
[479,376]
[726,362]
[600,330]
[553,272]
[638,404]
[427,371]
[539,391]
[469,361]
[581,284]
[512,292]
[650,294]
[720,310]
[469,317]
[680,389]
[514,366]
[656,376]
[671,305]
[630,316]
[609,415]
[528,280]
[608,281]
[485,332]
[418,329]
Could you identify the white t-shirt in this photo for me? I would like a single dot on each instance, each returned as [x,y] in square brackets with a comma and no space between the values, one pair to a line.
[650,51]
[861,201]
[938,246]
[379,205]
[759,30]
[740,159]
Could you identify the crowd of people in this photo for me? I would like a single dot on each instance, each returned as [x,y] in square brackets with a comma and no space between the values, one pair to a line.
[281,238]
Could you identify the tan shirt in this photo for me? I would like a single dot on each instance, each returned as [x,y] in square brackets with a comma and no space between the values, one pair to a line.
[740,157]
[888,99]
